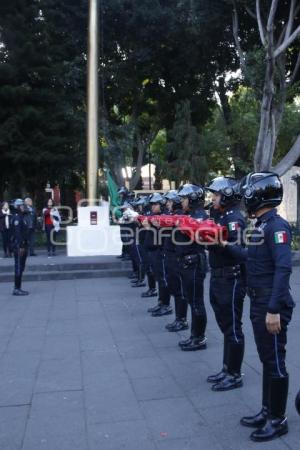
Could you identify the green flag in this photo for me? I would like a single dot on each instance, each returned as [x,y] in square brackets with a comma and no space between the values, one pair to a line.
[113,194]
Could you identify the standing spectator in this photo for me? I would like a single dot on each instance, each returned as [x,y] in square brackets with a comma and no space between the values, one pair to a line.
[5,229]
[51,225]
[31,222]
[19,234]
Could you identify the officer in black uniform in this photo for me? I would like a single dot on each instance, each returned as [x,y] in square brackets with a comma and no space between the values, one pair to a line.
[172,268]
[268,273]
[143,209]
[227,284]
[124,196]
[193,267]
[154,247]
[20,233]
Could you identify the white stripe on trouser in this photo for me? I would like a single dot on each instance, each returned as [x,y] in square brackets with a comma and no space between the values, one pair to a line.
[138,251]
[233,311]
[164,272]
[276,355]
[181,287]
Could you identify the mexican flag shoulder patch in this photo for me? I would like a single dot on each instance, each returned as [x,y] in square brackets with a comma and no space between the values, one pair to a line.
[233,226]
[280,237]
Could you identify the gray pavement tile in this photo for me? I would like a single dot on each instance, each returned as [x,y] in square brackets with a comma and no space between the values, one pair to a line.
[68,327]
[157,387]
[127,435]
[12,427]
[56,422]
[146,367]
[59,375]
[60,347]
[17,373]
[111,401]
[174,417]
[205,440]
[136,349]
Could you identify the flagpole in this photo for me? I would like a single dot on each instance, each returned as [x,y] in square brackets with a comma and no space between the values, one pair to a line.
[92,101]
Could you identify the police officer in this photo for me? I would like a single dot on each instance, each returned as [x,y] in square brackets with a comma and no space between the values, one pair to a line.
[20,232]
[193,267]
[154,247]
[124,196]
[172,269]
[227,284]
[268,273]
[145,210]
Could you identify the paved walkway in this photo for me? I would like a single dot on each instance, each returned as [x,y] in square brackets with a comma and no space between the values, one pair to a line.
[83,367]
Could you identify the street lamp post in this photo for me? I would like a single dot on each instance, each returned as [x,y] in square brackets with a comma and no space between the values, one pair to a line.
[92,110]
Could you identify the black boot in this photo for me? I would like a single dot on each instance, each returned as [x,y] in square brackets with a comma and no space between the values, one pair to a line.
[297,402]
[185,341]
[216,378]
[139,283]
[233,378]
[259,419]
[164,310]
[20,292]
[169,326]
[196,343]
[149,293]
[276,424]
[178,325]
[154,308]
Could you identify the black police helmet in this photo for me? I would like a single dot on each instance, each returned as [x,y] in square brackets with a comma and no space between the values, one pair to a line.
[260,190]
[173,197]
[141,201]
[193,192]
[123,190]
[157,198]
[227,188]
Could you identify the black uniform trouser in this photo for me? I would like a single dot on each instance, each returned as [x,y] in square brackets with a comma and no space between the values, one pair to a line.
[175,285]
[193,287]
[147,266]
[20,261]
[138,260]
[6,235]
[157,262]
[270,348]
[227,300]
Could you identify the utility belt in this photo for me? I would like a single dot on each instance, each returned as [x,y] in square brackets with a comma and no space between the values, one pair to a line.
[227,271]
[258,292]
[193,259]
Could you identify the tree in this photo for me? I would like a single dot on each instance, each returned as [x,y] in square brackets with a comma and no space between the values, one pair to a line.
[186,160]
[279,56]
[42,90]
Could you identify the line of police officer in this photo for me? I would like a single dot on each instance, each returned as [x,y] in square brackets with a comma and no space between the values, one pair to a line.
[259,264]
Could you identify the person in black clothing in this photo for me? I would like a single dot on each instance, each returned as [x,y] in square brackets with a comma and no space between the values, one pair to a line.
[154,248]
[143,208]
[172,269]
[32,221]
[5,228]
[227,284]
[269,266]
[192,263]
[19,229]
